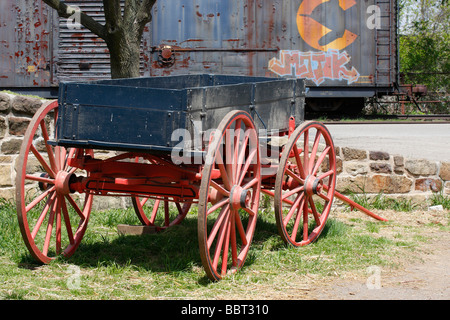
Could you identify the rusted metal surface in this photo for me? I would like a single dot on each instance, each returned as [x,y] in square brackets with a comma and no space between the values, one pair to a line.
[333,44]
[25,44]
[338,43]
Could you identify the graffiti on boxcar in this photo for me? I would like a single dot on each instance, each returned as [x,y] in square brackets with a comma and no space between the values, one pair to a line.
[325,34]
[315,66]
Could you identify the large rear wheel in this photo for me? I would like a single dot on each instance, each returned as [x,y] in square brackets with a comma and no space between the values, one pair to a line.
[51,219]
[229,196]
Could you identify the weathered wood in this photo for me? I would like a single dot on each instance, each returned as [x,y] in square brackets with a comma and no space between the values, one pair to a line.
[125,229]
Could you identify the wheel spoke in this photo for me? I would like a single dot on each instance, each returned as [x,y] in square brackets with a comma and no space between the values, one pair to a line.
[217,224]
[314,150]
[223,171]
[62,157]
[43,162]
[248,162]
[39,179]
[230,165]
[297,220]
[250,212]
[240,228]
[226,247]
[234,258]
[219,188]
[305,220]
[220,240]
[306,151]
[67,222]
[75,206]
[144,201]
[294,176]
[43,214]
[48,234]
[326,175]
[291,192]
[219,204]
[320,160]
[39,199]
[316,215]
[251,183]
[294,207]
[299,162]
[324,197]
[58,226]
[51,156]
[237,138]
[241,155]
[155,211]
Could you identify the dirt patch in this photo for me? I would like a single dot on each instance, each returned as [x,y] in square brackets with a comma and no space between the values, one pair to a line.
[425,275]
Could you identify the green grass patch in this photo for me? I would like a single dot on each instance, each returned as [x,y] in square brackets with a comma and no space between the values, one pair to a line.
[168,265]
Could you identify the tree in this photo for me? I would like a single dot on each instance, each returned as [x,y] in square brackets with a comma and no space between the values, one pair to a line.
[425,43]
[121,32]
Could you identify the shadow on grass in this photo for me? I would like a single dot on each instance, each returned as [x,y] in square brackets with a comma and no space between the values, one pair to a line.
[171,251]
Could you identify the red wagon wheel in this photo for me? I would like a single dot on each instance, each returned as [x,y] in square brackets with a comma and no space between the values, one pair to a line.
[229,195]
[157,213]
[52,221]
[305,184]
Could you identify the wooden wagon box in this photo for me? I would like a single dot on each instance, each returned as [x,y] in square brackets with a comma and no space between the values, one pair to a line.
[141,114]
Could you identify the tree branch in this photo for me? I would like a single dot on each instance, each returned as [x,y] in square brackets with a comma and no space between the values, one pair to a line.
[64,11]
[113,15]
[144,15]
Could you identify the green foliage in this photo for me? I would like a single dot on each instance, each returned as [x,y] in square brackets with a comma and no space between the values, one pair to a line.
[424,46]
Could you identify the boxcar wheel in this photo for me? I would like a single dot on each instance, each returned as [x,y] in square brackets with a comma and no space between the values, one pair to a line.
[305,184]
[229,195]
[51,220]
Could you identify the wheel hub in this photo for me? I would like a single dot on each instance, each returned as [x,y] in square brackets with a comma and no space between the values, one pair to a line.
[313,185]
[62,182]
[240,197]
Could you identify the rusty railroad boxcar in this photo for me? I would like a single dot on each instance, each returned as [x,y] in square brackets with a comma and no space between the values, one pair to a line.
[345,49]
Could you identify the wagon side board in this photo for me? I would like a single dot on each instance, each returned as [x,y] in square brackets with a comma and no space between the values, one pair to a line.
[271,104]
[160,114]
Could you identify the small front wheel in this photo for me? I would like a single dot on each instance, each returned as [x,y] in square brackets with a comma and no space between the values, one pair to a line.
[305,184]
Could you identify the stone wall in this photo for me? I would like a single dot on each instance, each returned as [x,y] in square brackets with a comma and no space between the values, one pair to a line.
[359,171]
[15,115]
[374,172]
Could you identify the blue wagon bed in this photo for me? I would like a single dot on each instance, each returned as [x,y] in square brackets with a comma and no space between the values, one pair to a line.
[142,114]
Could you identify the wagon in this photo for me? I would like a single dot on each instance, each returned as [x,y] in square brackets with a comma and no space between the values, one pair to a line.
[169,143]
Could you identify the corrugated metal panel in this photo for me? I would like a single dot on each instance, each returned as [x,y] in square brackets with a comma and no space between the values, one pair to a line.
[328,42]
[81,54]
[25,44]
[331,43]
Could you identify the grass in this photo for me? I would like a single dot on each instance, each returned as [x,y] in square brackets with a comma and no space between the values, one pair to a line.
[168,266]
[441,199]
[24,95]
